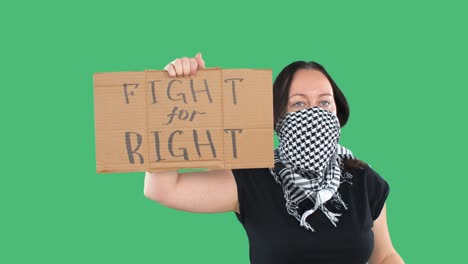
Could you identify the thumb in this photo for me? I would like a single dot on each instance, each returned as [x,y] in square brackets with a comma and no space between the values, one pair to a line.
[200,61]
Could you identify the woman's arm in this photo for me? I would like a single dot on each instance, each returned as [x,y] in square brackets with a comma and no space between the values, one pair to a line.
[203,192]
[383,253]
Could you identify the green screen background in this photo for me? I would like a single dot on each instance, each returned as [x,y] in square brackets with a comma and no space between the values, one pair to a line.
[401,64]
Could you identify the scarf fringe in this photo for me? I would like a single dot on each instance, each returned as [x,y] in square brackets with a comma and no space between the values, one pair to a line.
[293,207]
[332,216]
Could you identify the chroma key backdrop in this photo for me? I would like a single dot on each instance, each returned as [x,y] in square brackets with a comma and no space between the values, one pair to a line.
[401,64]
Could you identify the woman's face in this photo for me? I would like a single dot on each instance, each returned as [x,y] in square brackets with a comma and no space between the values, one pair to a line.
[310,88]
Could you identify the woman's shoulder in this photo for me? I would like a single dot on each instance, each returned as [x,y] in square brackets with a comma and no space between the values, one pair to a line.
[359,167]
[251,186]
[249,171]
[376,188]
[253,179]
[363,173]
[354,164]
[250,175]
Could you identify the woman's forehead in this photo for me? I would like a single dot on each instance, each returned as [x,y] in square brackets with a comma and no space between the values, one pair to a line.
[309,81]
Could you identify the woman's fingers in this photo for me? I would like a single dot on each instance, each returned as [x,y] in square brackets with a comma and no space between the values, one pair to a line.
[185,66]
[200,61]
[170,69]
[177,63]
[193,66]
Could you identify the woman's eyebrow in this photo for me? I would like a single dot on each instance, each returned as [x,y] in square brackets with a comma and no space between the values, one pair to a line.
[297,95]
[320,95]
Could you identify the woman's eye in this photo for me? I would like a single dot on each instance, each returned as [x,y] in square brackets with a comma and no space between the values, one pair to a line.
[299,104]
[325,103]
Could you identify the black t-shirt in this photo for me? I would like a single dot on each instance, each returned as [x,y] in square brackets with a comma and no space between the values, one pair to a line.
[276,237]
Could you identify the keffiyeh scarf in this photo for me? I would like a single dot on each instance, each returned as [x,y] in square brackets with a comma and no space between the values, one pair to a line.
[309,162]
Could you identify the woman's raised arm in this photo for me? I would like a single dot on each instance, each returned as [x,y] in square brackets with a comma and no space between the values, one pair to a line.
[203,192]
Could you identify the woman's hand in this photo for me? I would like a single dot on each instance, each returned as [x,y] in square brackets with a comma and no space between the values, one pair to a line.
[185,66]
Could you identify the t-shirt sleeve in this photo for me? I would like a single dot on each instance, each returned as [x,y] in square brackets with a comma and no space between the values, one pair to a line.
[242,177]
[377,190]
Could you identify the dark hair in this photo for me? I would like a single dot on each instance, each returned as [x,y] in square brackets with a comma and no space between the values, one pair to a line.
[282,86]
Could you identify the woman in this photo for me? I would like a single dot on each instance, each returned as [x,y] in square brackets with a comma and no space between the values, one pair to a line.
[319,204]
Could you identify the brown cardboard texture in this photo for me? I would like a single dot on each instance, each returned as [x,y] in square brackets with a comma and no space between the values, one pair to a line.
[218,119]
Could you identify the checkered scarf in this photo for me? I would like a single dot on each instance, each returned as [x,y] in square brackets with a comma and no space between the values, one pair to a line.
[309,162]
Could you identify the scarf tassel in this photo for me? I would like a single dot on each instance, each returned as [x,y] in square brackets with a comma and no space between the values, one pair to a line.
[332,216]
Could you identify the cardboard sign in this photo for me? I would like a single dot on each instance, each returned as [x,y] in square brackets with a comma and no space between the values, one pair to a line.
[148,121]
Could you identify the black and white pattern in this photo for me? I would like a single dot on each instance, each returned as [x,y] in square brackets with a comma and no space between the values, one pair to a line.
[308,162]
[309,137]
